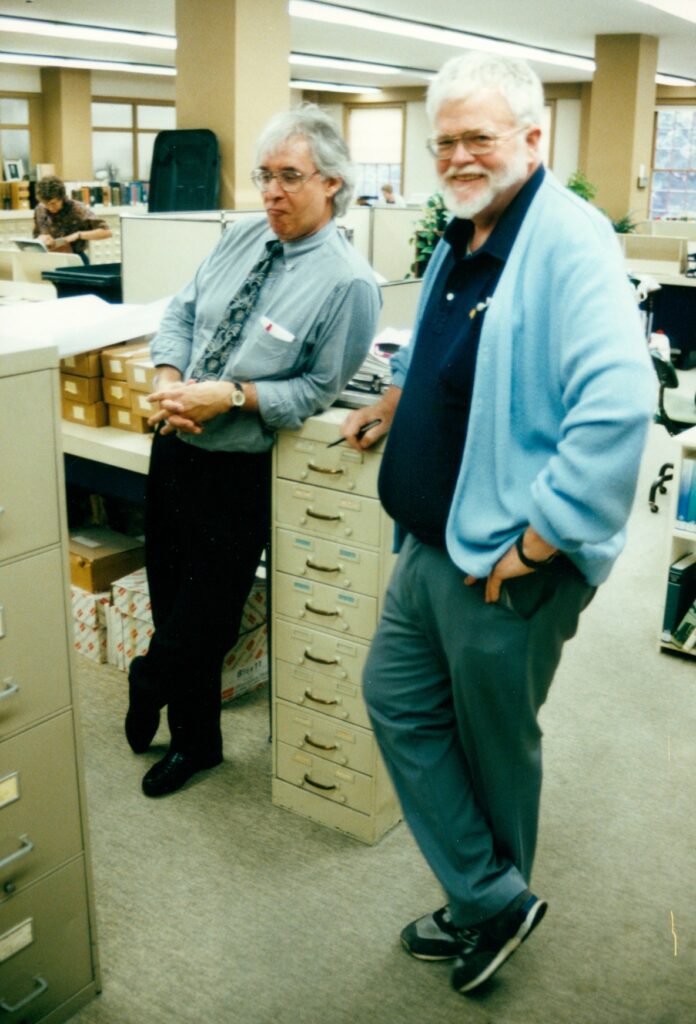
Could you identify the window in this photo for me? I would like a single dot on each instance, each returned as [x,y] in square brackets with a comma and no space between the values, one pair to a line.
[674,163]
[14,130]
[375,140]
[123,136]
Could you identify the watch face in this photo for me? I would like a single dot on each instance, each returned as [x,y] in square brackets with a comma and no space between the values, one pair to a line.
[238,396]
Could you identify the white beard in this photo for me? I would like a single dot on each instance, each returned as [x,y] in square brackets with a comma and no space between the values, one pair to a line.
[498,182]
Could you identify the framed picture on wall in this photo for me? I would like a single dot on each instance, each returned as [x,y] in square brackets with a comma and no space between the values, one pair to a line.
[14,170]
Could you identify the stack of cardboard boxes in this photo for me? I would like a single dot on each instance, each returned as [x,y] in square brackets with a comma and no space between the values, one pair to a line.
[109,386]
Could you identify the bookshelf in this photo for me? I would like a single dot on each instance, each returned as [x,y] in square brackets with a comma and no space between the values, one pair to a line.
[682,537]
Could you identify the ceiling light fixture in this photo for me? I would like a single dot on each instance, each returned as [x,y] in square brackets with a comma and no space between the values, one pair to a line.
[313,61]
[332,87]
[68,30]
[354,18]
[39,60]
[673,80]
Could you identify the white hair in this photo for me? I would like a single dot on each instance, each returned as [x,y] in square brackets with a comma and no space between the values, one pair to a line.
[473,72]
[321,134]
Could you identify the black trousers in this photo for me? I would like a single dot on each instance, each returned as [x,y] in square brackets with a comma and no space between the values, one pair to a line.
[207,521]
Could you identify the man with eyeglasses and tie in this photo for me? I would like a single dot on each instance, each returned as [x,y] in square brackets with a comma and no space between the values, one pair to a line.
[516,425]
[274,324]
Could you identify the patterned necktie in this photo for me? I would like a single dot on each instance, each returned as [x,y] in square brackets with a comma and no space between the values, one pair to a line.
[213,359]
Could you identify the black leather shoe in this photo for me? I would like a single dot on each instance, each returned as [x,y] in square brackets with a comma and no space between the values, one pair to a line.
[142,718]
[173,771]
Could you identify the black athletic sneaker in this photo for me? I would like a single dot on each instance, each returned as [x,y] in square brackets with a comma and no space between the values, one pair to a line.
[487,946]
[433,937]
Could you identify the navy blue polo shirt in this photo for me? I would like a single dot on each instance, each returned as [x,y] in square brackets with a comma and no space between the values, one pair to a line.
[421,462]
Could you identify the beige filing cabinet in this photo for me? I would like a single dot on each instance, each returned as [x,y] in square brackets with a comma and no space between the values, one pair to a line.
[48,961]
[332,557]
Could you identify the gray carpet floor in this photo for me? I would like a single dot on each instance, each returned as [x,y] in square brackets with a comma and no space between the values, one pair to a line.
[214,906]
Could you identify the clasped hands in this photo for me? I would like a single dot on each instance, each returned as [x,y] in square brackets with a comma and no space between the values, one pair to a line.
[186,406]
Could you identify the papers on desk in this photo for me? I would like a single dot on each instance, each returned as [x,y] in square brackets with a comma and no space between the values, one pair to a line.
[80,323]
[374,375]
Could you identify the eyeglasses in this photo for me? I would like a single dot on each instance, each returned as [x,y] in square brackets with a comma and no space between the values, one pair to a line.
[289,180]
[475,143]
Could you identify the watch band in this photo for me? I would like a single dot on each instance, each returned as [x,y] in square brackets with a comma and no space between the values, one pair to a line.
[531,563]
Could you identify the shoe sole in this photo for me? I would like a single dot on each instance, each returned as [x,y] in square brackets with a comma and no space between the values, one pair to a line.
[524,931]
[429,958]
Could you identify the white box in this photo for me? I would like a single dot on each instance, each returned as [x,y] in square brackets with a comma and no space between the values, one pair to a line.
[114,638]
[90,642]
[89,608]
[245,667]
[131,595]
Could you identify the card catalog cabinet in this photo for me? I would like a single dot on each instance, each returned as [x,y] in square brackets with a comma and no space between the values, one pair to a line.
[331,561]
[48,961]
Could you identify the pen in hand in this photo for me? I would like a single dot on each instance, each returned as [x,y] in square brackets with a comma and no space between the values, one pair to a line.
[360,434]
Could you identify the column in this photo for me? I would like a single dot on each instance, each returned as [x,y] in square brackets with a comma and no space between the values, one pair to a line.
[621,122]
[232,76]
[67,122]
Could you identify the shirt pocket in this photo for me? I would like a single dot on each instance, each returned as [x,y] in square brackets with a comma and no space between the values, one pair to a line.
[270,349]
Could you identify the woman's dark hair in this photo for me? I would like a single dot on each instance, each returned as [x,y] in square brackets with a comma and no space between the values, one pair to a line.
[50,188]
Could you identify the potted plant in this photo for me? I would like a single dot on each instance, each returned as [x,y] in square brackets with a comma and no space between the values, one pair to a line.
[429,231]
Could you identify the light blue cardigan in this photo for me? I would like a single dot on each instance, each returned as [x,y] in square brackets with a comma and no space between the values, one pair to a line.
[563,394]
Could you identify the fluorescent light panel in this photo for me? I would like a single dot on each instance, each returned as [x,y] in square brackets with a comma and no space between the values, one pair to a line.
[311,61]
[67,30]
[431,33]
[673,80]
[331,87]
[39,60]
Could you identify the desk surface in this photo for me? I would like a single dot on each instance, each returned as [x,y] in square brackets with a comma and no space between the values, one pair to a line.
[108,445]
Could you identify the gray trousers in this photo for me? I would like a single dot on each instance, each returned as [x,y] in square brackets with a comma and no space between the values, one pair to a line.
[453,687]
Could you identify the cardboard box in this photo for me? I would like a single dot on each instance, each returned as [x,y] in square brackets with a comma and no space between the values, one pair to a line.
[92,415]
[117,392]
[140,374]
[89,608]
[136,637]
[126,419]
[80,389]
[90,642]
[131,596]
[140,405]
[98,556]
[114,638]
[245,667]
[88,364]
[115,359]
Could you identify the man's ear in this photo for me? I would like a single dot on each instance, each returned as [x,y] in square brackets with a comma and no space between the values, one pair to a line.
[332,186]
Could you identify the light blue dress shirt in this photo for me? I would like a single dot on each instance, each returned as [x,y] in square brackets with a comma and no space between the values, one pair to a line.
[309,332]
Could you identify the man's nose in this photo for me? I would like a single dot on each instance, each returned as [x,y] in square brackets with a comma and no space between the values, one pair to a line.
[273,188]
[461,154]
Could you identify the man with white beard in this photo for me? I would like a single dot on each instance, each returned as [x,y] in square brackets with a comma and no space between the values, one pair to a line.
[516,423]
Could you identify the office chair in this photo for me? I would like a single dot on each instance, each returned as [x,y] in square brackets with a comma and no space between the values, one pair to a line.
[684,408]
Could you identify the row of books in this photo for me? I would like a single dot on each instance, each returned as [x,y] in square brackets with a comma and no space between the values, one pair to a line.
[112,193]
[679,620]
[686,499]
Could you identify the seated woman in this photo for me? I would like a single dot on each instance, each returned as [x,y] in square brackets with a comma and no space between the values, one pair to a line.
[62,224]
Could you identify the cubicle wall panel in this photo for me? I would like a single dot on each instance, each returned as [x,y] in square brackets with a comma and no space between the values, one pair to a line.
[161,254]
[392,246]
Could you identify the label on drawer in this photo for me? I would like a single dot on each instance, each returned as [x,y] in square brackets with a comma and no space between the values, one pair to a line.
[304,446]
[350,503]
[9,789]
[350,599]
[18,938]
[301,492]
[349,553]
[306,588]
[306,543]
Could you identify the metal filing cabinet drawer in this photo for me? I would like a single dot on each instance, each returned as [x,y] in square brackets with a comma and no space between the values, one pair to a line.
[320,652]
[39,808]
[341,611]
[34,679]
[340,468]
[321,777]
[324,513]
[324,737]
[325,561]
[28,484]
[44,946]
[335,697]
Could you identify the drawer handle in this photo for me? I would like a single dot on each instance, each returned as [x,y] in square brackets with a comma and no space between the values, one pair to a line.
[319,611]
[324,469]
[321,568]
[40,987]
[26,847]
[318,700]
[319,746]
[10,688]
[320,661]
[318,785]
[318,515]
